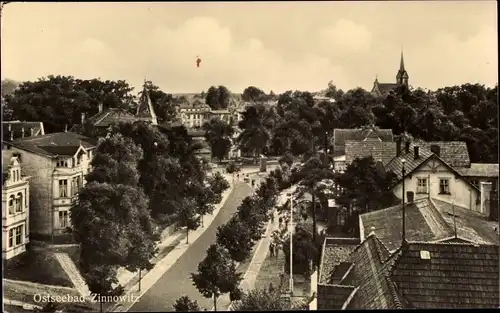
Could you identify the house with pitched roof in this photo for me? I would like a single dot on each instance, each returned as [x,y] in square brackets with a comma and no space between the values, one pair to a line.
[382,89]
[20,129]
[57,164]
[367,134]
[417,275]
[100,123]
[16,210]
[428,220]
[430,172]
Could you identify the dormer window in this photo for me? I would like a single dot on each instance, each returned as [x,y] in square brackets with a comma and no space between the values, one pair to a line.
[62,163]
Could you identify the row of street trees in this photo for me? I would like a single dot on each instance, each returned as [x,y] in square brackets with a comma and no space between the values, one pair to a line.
[143,179]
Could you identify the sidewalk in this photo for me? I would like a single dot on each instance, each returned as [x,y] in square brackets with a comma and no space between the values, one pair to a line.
[260,255]
[24,305]
[163,265]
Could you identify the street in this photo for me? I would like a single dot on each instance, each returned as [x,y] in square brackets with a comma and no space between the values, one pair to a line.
[176,282]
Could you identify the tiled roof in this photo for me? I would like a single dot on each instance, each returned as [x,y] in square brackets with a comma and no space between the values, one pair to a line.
[16,128]
[479,170]
[333,297]
[112,116]
[455,153]
[379,150]
[428,221]
[387,87]
[340,136]
[458,275]
[64,143]
[396,164]
[335,251]
[368,274]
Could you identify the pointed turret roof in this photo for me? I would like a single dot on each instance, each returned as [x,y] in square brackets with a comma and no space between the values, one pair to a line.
[402,63]
[145,107]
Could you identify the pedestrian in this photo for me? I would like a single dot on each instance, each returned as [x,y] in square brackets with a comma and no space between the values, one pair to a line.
[272,218]
[238,176]
[271,249]
[278,247]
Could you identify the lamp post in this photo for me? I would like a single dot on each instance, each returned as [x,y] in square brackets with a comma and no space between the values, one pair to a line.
[291,245]
[403,161]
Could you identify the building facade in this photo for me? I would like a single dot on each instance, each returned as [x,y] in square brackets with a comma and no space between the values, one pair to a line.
[57,164]
[15,209]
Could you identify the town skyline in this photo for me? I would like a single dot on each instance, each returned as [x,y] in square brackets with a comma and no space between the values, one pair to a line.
[244,44]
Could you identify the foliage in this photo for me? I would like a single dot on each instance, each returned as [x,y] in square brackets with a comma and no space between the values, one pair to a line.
[365,186]
[218,183]
[115,161]
[287,159]
[58,101]
[218,97]
[218,135]
[8,87]
[237,238]
[232,168]
[253,94]
[216,274]
[185,304]
[261,300]
[163,103]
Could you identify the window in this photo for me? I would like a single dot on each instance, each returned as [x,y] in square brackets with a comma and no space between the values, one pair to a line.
[11,204]
[444,186]
[422,185]
[19,235]
[11,238]
[63,188]
[19,202]
[62,163]
[63,219]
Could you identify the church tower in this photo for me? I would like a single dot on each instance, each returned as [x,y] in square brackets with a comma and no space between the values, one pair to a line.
[145,108]
[402,76]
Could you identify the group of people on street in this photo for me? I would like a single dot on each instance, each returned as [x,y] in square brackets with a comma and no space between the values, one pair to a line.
[276,244]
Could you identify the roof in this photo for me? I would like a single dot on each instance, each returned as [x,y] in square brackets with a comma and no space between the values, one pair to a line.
[458,275]
[54,144]
[16,128]
[455,153]
[427,221]
[145,107]
[335,251]
[479,170]
[340,136]
[379,150]
[412,163]
[112,116]
[386,87]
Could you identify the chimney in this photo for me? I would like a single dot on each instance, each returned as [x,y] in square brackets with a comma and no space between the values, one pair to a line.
[485,192]
[415,152]
[100,107]
[83,118]
[409,196]
[11,135]
[32,131]
[22,132]
[407,147]
[436,149]
[10,127]
[398,147]
[65,128]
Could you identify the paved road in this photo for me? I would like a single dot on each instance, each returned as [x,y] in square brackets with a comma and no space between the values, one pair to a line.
[176,282]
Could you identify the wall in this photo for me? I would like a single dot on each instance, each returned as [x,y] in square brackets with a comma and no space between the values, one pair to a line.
[40,169]
[462,193]
[10,221]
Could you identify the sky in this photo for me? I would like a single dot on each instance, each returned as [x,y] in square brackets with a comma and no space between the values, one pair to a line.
[275,46]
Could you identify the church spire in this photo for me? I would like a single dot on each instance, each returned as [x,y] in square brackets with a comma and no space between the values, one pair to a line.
[402,76]
[402,63]
[145,108]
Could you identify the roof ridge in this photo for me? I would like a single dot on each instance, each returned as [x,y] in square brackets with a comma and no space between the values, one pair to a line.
[440,216]
[470,244]
[394,292]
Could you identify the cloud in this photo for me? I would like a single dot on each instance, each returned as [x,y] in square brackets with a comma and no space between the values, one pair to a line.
[346,37]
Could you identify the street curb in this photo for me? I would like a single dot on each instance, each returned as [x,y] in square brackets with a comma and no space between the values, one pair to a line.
[163,262]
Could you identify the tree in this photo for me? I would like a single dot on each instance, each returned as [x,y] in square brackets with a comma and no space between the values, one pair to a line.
[217,183]
[109,222]
[366,186]
[261,300]
[217,275]
[163,103]
[59,101]
[188,218]
[115,161]
[8,87]
[218,135]
[253,94]
[185,304]
[333,92]
[287,159]
[256,125]
[218,97]
[232,168]
[237,238]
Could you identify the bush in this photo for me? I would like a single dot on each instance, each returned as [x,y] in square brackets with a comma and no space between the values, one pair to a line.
[232,168]
[185,304]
